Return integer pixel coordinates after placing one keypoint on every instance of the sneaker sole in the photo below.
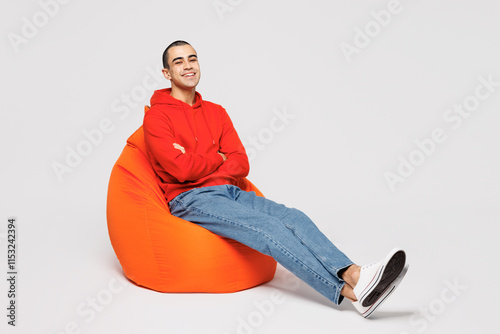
(385, 277)
(386, 294)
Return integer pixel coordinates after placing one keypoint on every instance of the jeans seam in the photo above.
(286, 251)
(341, 281)
(310, 249)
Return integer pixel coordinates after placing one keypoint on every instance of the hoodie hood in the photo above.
(162, 96)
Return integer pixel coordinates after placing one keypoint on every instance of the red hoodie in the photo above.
(202, 129)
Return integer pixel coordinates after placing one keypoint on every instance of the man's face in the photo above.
(184, 72)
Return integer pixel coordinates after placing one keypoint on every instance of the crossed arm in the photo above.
(183, 150)
(180, 165)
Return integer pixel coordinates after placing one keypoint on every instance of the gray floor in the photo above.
(77, 282)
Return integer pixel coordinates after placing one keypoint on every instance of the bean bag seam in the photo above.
(155, 252)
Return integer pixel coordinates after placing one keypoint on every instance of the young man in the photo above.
(199, 157)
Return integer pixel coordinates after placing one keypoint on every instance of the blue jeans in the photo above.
(286, 234)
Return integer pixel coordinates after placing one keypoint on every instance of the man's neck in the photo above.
(186, 96)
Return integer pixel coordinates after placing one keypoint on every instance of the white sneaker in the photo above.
(375, 278)
(367, 311)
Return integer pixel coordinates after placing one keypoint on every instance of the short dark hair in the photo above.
(165, 53)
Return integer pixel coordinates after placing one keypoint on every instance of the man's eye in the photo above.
(177, 62)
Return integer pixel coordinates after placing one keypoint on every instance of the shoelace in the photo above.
(370, 265)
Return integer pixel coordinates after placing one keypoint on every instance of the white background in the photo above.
(355, 116)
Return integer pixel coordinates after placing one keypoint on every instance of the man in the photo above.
(198, 157)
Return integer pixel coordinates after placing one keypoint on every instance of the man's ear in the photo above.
(166, 74)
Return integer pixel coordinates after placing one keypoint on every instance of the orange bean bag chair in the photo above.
(165, 253)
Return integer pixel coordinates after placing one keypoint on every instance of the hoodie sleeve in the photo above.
(236, 164)
(159, 139)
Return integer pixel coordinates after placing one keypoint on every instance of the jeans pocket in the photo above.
(172, 205)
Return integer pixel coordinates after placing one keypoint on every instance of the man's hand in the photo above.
(183, 150)
(223, 156)
(179, 147)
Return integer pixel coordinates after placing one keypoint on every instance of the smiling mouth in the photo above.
(189, 75)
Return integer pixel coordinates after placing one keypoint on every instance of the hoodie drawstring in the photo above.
(193, 131)
(193, 127)
(206, 123)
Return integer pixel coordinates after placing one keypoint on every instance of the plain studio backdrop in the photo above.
(379, 119)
